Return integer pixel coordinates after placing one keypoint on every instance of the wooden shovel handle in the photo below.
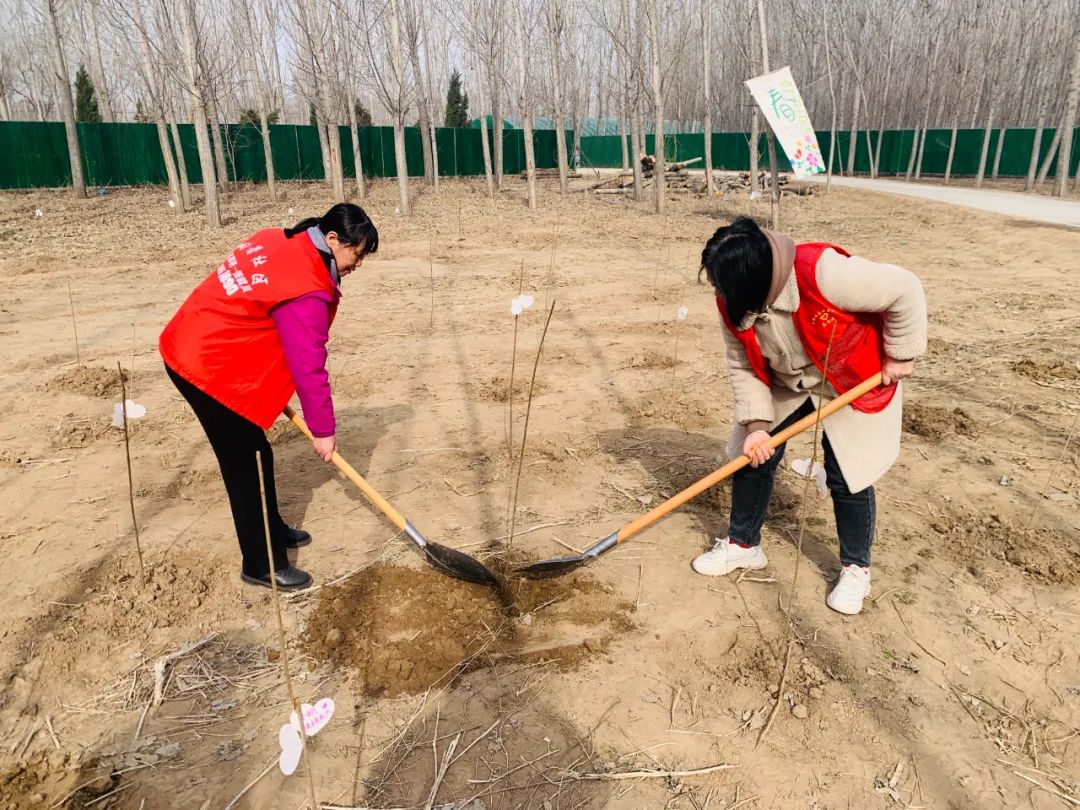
(350, 473)
(691, 492)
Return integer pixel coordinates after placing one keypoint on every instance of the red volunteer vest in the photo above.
(223, 339)
(857, 344)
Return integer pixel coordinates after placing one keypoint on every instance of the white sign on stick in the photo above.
(778, 97)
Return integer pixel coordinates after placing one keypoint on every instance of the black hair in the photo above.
(737, 261)
(351, 224)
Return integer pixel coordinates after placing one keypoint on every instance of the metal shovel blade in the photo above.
(560, 565)
(551, 568)
(451, 561)
(457, 564)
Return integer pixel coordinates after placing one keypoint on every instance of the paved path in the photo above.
(1009, 203)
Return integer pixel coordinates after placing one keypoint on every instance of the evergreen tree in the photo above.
(457, 103)
(363, 115)
(251, 116)
(86, 106)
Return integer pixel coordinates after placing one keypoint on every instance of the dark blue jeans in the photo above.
(855, 512)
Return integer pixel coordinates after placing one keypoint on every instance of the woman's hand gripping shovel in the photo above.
(561, 565)
(447, 560)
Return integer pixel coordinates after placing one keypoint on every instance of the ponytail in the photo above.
(350, 222)
(301, 227)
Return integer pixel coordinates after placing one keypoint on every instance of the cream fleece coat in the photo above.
(866, 444)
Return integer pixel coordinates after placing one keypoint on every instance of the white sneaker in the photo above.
(727, 556)
(850, 590)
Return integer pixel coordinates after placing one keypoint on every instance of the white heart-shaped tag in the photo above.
(521, 303)
(134, 411)
(315, 717)
(291, 748)
(803, 468)
(683, 312)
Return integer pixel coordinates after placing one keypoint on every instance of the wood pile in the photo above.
(679, 181)
(741, 182)
(542, 173)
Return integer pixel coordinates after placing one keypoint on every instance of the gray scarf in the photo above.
(319, 241)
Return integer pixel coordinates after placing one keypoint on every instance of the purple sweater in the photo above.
(304, 327)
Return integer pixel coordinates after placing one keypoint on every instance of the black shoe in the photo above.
(296, 538)
(288, 578)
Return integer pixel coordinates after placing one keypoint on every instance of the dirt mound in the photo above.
(497, 389)
(75, 432)
(113, 607)
(652, 359)
(1048, 370)
(674, 407)
(979, 541)
(404, 630)
(90, 381)
(936, 348)
(50, 780)
(78, 433)
(186, 482)
(935, 423)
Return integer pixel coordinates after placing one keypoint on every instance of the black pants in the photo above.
(235, 441)
(855, 512)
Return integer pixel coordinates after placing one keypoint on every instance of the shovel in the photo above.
(446, 560)
(561, 565)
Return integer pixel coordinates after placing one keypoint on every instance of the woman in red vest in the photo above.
(787, 309)
(253, 332)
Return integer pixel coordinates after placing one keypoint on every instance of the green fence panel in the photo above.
(446, 152)
(129, 153)
(414, 151)
(546, 148)
(513, 151)
(32, 153)
(244, 153)
(601, 151)
(348, 164)
(285, 151)
(731, 151)
(469, 152)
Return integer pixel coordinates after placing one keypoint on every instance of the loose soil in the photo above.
(497, 389)
(404, 630)
(1048, 371)
(89, 381)
(934, 423)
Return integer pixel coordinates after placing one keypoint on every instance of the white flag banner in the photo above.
(779, 99)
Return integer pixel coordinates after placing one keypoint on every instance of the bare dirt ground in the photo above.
(958, 687)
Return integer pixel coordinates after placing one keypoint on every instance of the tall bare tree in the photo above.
(252, 46)
(1068, 124)
(155, 91)
(655, 46)
(525, 100)
(196, 91)
(706, 69)
(411, 11)
(774, 185)
(556, 25)
(62, 86)
(313, 24)
(832, 97)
